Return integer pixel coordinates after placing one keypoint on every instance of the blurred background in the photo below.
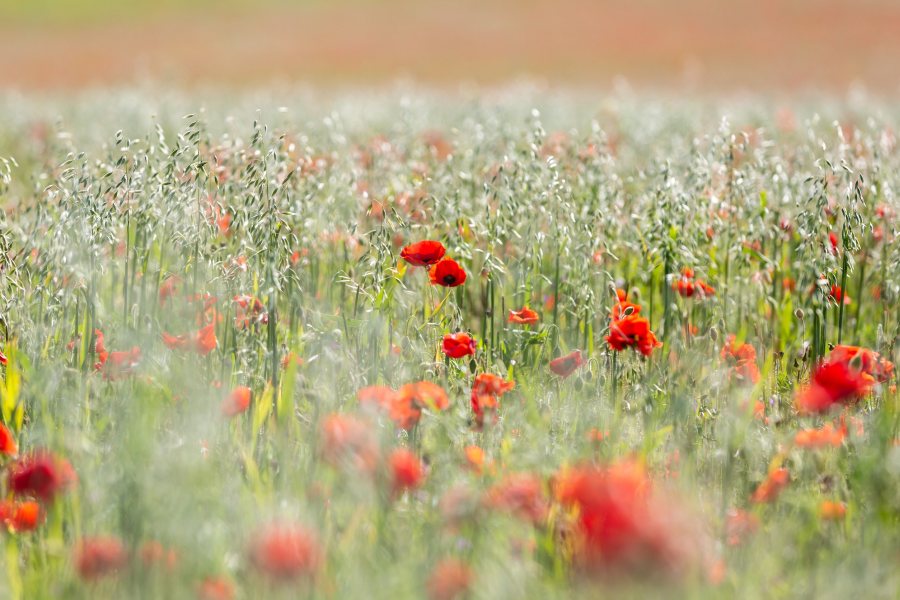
(753, 45)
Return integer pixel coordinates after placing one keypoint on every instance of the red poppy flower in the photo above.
(99, 350)
(623, 522)
(837, 294)
(376, 395)
(742, 360)
(285, 552)
(205, 340)
(457, 345)
(237, 401)
(99, 556)
(21, 516)
(249, 311)
(425, 394)
(348, 441)
(863, 359)
(832, 383)
(525, 316)
(423, 254)
(3, 359)
(566, 365)
(121, 363)
(406, 470)
(823, 437)
(8, 444)
(772, 486)
(486, 392)
(40, 475)
(632, 331)
(450, 579)
(447, 273)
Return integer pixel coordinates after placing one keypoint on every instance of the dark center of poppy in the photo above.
(448, 279)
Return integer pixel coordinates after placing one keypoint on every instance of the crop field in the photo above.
(414, 344)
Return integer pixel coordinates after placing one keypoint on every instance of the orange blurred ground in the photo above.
(738, 44)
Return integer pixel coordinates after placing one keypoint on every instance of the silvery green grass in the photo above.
(214, 349)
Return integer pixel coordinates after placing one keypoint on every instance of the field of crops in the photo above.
(413, 344)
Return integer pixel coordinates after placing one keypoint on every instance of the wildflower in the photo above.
(98, 557)
(869, 362)
(348, 440)
(622, 307)
(837, 294)
(203, 341)
(121, 363)
(424, 394)
(3, 359)
(831, 510)
(40, 475)
(215, 588)
(772, 486)
(21, 516)
(742, 360)
(99, 350)
(450, 579)
(827, 435)
(423, 254)
(447, 273)
(8, 444)
(525, 316)
(249, 311)
(486, 392)
(406, 470)
(622, 522)
(236, 402)
(458, 345)
(832, 383)
(522, 494)
(739, 525)
(566, 365)
(632, 331)
(285, 552)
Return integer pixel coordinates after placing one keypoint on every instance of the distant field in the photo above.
(699, 43)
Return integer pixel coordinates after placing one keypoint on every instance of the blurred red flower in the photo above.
(215, 588)
(349, 441)
(742, 360)
(423, 254)
(406, 470)
(8, 444)
(486, 392)
(249, 311)
(458, 345)
(772, 486)
(285, 552)
(450, 579)
(99, 556)
(566, 365)
(237, 401)
(40, 475)
(447, 273)
(21, 516)
(525, 316)
(832, 383)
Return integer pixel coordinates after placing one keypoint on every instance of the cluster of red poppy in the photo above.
(428, 253)
(847, 376)
(627, 329)
(34, 481)
(486, 392)
(741, 358)
(404, 406)
(687, 286)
